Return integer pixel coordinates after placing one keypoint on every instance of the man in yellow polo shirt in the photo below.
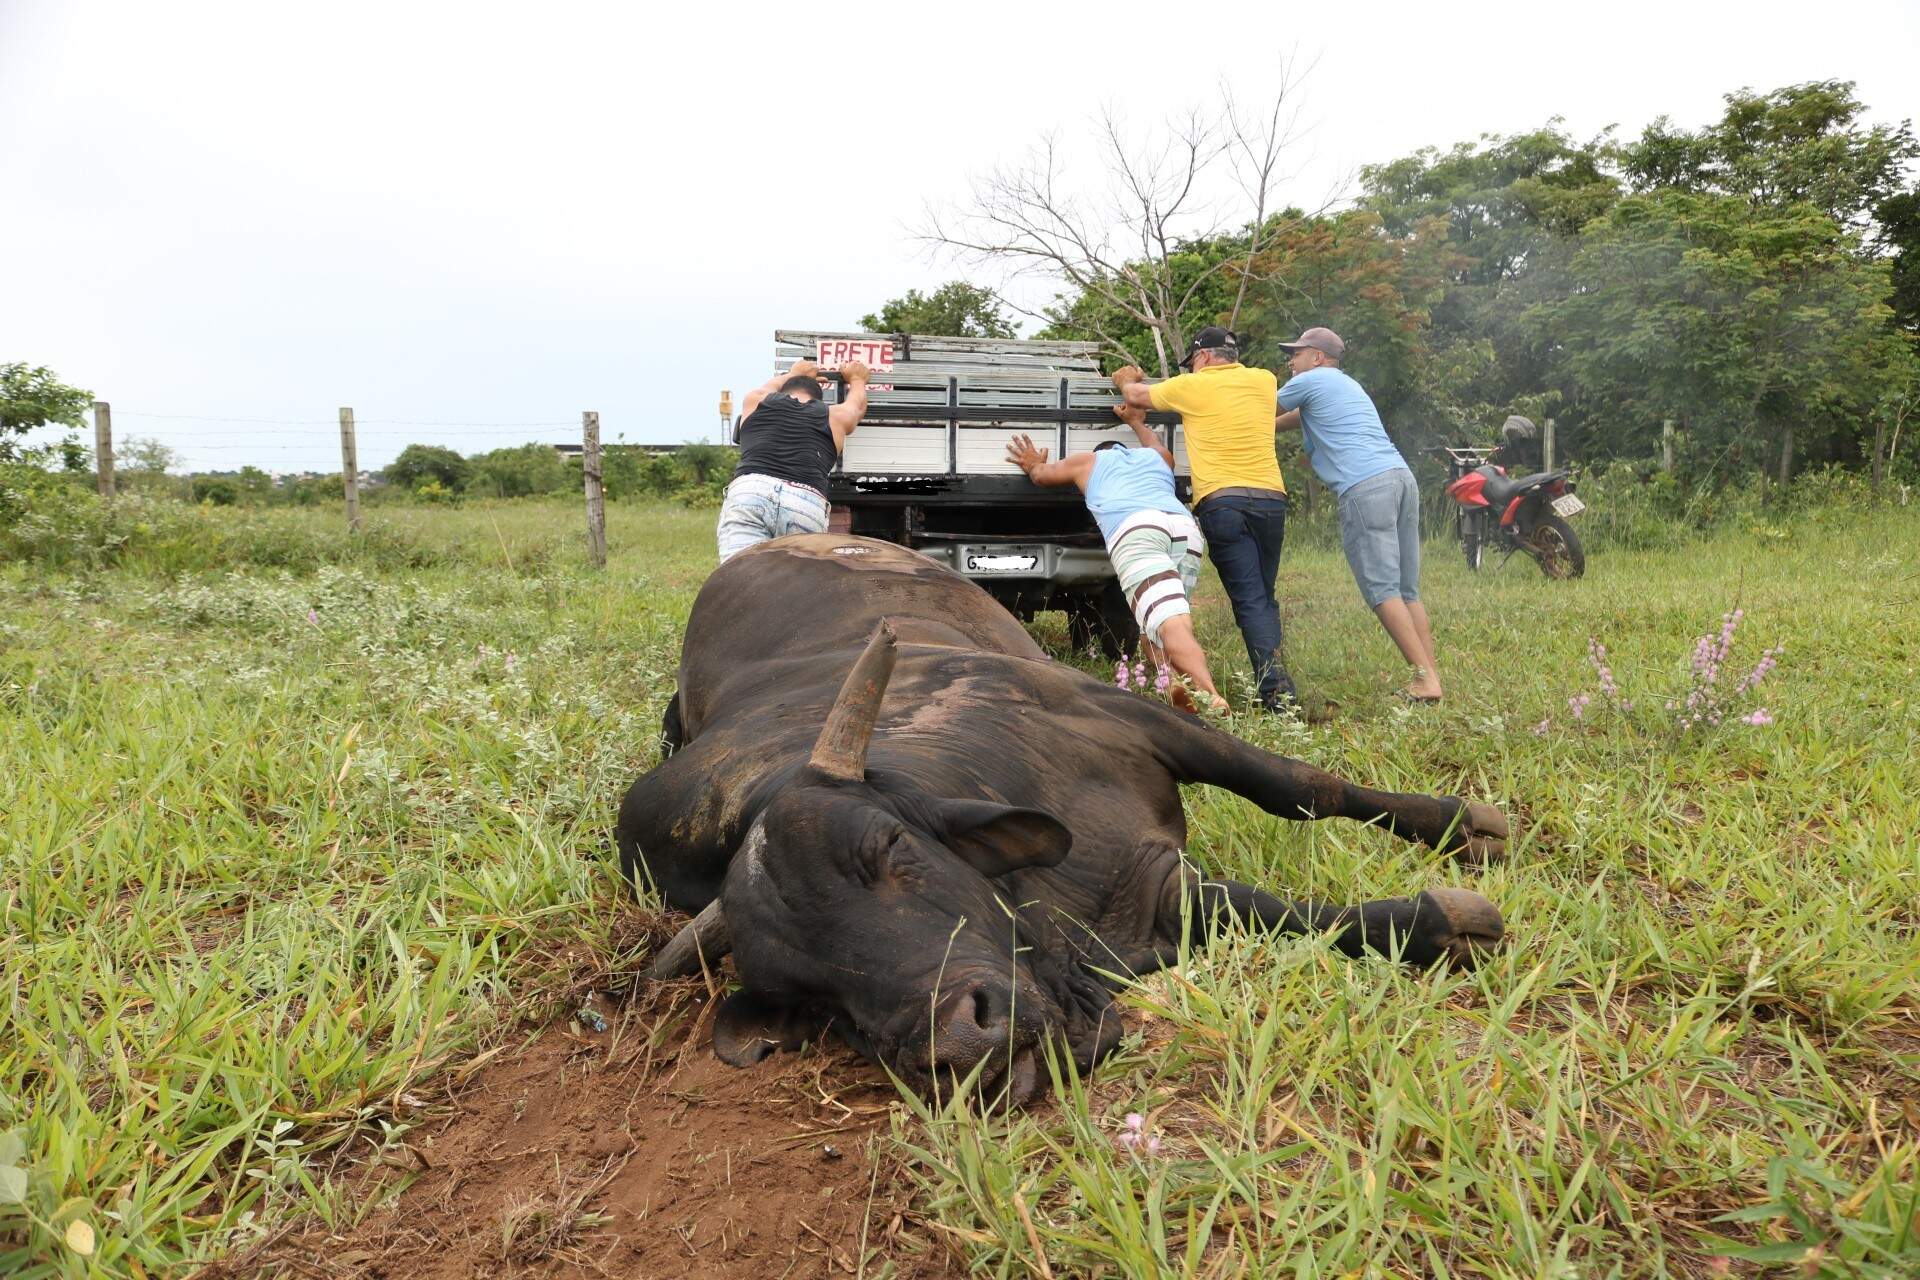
(1226, 413)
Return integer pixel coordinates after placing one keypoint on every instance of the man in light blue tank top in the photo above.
(1155, 546)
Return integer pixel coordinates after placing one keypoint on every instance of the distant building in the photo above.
(654, 450)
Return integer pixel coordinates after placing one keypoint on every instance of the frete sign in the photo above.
(875, 353)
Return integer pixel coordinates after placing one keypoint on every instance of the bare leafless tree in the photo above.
(1258, 144)
(1115, 242)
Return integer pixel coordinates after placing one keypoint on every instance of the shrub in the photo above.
(216, 491)
(47, 520)
(518, 472)
(422, 464)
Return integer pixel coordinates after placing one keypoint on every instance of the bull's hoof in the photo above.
(1472, 925)
(1483, 835)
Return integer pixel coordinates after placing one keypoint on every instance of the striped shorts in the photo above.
(1157, 555)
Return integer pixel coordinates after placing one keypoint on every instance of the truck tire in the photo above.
(1102, 619)
(1119, 634)
(1083, 623)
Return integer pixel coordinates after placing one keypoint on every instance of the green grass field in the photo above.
(277, 848)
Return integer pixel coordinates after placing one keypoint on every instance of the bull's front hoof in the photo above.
(1483, 835)
(1468, 926)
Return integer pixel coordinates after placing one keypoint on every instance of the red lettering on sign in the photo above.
(875, 353)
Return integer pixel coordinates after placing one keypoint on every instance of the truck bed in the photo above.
(950, 405)
(927, 468)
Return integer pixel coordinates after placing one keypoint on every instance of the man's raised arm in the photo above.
(846, 415)
(1131, 383)
(1136, 417)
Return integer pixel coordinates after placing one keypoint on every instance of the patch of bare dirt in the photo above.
(633, 1151)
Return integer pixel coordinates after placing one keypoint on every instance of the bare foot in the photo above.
(1425, 687)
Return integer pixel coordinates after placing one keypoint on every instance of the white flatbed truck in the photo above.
(927, 468)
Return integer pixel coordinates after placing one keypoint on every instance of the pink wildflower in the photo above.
(510, 660)
(1540, 730)
(1578, 704)
(1597, 654)
(1133, 1136)
(1120, 674)
(313, 618)
(1162, 681)
(1768, 661)
(1760, 718)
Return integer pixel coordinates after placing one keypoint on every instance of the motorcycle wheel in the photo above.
(1556, 548)
(1472, 539)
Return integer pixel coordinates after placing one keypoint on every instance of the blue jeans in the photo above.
(1244, 535)
(760, 508)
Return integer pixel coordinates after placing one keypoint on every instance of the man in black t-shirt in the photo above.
(789, 439)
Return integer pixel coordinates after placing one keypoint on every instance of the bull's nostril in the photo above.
(982, 1008)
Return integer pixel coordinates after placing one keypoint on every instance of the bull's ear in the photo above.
(996, 839)
(747, 1029)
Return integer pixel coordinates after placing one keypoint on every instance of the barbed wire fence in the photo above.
(274, 439)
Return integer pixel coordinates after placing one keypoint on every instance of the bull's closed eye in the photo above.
(877, 851)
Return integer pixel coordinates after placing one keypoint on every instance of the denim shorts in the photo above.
(760, 508)
(1380, 530)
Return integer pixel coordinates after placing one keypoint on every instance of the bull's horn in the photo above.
(842, 749)
(701, 944)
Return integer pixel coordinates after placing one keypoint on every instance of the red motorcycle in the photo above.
(1526, 513)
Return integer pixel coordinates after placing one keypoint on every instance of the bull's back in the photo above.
(819, 596)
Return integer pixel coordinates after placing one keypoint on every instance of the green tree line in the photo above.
(1755, 283)
(695, 474)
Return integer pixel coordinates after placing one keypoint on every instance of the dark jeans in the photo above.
(1244, 536)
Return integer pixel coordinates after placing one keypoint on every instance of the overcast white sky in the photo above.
(477, 213)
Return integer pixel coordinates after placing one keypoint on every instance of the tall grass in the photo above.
(286, 839)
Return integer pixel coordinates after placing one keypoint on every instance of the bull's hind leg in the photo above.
(1291, 789)
(1438, 924)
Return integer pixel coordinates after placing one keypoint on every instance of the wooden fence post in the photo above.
(350, 469)
(1546, 445)
(1666, 445)
(103, 445)
(596, 501)
(726, 416)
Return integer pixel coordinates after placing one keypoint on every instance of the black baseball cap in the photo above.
(1208, 339)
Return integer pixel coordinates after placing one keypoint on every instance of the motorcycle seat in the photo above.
(1501, 490)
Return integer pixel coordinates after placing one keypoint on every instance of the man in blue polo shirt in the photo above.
(1347, 445)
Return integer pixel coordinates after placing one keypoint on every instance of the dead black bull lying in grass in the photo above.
(902, 818)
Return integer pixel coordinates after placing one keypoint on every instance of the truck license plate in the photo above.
(1568, 505)
(1002, 562)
